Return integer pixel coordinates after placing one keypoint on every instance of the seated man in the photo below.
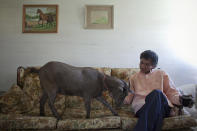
(154, 94)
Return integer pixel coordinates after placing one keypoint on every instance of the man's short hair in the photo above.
(149, 54)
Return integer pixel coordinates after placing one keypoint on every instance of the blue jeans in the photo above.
(152, 112)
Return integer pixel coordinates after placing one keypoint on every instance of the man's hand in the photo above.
(187, 100)
(127, 100)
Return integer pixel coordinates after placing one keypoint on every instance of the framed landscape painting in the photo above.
(40, 18)
(99, 17)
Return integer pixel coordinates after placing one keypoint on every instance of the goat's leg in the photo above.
(87, 107)
(42, 103)
(104, 102)
(52, 96)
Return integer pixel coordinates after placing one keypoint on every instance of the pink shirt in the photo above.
(142, 84)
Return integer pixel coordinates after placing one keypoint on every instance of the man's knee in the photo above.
(154, 94)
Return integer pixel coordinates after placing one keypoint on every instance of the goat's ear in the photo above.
(125, 84)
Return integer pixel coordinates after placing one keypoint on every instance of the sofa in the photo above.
(19, 108)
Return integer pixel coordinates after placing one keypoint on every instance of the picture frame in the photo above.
(99, 17)
(40, 19)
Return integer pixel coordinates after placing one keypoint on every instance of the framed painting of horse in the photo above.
(40, 18)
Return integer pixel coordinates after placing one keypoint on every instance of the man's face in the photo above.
(146, 65)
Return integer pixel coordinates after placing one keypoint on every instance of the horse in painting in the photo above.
(45, 18)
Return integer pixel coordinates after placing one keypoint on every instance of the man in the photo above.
(155, 94)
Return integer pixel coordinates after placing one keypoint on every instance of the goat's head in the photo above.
(119, 90)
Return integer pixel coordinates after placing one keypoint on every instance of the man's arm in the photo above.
(170, 90)
(174, 95)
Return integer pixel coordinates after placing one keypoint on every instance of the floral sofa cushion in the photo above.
(19, 121)
(169, 123)
(123, 73)
(14, 101)
(19, 108)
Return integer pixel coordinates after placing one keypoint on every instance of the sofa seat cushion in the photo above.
(13, 121)
(70, 113)
(177, 122)
(92, 123)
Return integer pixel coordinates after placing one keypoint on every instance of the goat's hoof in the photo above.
(42, 114)
(59, 118)
(116, 114)
(87, 117)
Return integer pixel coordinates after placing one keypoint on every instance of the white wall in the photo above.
(168, 27)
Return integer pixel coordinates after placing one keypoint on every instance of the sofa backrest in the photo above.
(123, 73)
